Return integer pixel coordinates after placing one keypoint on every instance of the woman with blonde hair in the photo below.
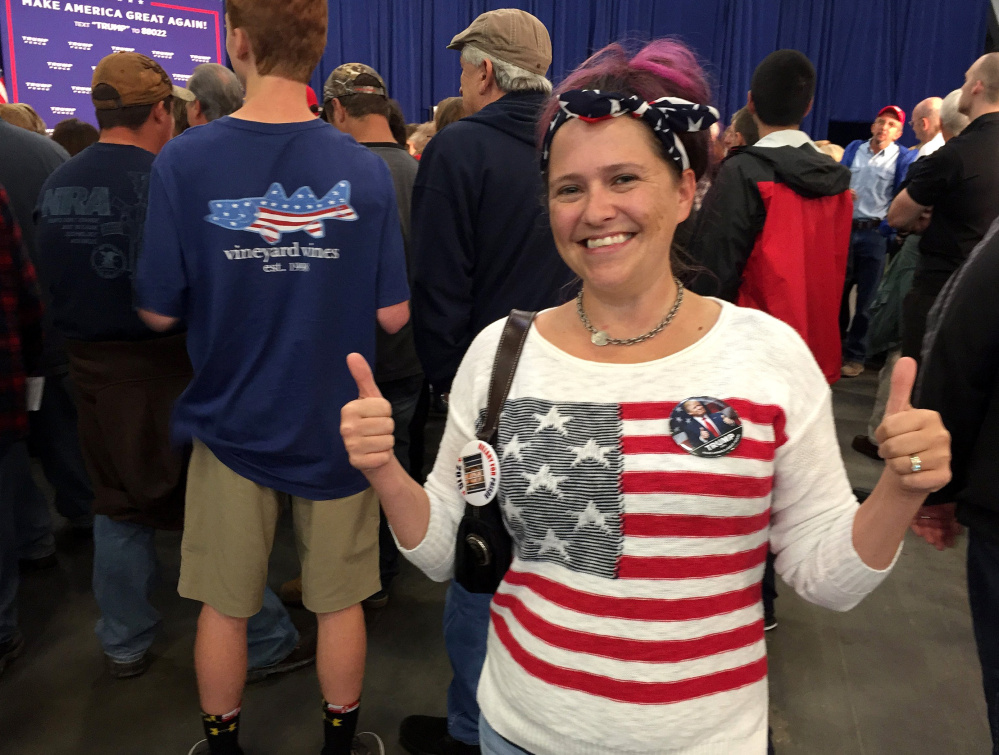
(22, 115)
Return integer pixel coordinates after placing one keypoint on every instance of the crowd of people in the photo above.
(247, 297)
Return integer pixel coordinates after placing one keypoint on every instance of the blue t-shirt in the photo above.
(91, 213)
(276, 243)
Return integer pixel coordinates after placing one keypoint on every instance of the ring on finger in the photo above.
(916, 463)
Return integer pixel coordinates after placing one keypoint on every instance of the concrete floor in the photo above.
(899, 674)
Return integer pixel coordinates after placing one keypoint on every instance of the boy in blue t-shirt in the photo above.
(276, 239)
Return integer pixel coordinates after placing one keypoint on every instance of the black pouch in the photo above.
(484, 548)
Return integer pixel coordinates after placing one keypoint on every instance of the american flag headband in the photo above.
(667, 116)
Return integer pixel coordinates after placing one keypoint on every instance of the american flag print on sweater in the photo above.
(595, 488)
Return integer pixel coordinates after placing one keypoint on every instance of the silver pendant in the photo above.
(599, 338)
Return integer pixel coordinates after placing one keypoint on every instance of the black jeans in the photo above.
(983, 594)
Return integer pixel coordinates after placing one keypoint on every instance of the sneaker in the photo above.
(378, 600)
(851, 369)
(427, 735)
(303, 654)
(291, 592)
(201, 748)
(367, 743)
(27, 565)
(10, 649)
(127, 669)
(862, 444)
(769, 622)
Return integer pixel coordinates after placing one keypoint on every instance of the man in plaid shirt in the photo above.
(20, 351)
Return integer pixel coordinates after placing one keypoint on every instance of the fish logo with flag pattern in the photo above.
(276, 213)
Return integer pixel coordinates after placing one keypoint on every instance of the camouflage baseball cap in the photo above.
(341, 82)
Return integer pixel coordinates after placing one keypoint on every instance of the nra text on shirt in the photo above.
(268, 254)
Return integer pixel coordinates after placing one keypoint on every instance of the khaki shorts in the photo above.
(229, 530)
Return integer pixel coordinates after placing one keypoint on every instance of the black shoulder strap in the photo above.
(511, 343)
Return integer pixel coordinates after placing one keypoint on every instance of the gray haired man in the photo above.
(217, 92)
(952, 120)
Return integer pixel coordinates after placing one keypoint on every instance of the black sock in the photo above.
(339, 726)
(222, 733)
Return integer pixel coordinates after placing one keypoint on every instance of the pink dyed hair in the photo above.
(663, 68)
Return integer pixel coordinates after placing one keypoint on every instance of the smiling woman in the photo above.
(653, 447)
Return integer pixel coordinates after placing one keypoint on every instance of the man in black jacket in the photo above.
(481, 246)
(959, 377)
(481, 241)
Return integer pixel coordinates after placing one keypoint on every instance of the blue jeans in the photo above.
(466, 630)
(403, 394)
(56, 443)
(492, 743)
(8, 559)
(125, 573)
(983, 594)
(864, 267)
(32, 518)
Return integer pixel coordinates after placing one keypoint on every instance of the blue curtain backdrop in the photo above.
(868, 53)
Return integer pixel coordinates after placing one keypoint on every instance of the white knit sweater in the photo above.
(630, 620)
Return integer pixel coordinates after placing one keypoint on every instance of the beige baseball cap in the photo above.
(127, 79)
(511, 35)
(342, 82)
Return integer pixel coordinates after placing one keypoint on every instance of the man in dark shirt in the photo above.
(92, 214)
(959, 183)
(356, 101)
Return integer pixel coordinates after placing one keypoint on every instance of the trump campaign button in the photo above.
(705, 426)
(478, 473)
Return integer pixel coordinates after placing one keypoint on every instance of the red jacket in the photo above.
(774, 235)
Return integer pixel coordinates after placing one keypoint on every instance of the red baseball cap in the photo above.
(894, 111)
(313, 100)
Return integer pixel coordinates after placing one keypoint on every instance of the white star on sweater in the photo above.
(591, 515)
(554, 420)
(592, 451)
(552, 544)
(514, 448)
(543, 479)
(513, 513)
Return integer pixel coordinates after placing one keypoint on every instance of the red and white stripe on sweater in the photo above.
(630, 620)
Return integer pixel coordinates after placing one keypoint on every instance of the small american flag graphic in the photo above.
(276, 213)
(658, 536)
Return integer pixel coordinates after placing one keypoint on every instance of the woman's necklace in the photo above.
(600, 337)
